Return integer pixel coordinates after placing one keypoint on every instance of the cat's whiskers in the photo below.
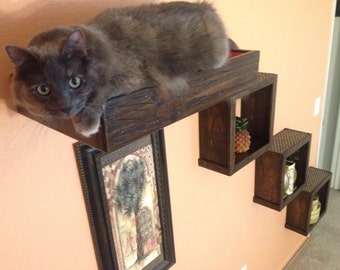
(40, 131)
(95, 108)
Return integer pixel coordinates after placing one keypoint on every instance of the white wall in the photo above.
(329, 158)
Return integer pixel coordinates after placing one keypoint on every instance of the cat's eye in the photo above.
(43, 90)
(74, 82)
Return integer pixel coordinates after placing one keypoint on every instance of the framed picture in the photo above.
(127, 198)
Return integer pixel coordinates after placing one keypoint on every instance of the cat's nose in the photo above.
(66, 110)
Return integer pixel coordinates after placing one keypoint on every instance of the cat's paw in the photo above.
(88, 131)
(86, 122)
(174, 87)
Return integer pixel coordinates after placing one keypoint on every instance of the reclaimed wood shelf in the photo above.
(299, 210)
(217, 125)
(127, 118)
(290, 145)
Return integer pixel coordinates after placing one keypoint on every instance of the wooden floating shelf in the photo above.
(217, 125)
(127, 118)
(269, 170)
(299, 210)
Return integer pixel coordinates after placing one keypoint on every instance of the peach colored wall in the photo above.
(43, 222)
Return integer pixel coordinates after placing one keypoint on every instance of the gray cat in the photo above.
(72, 71)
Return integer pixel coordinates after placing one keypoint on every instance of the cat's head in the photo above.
(52, 75)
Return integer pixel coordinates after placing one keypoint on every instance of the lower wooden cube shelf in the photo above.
(299, 211)
(292, 145)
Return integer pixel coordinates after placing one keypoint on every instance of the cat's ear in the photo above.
(75, 45)
(19, 55)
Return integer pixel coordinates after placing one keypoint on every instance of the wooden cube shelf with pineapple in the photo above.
(217, 126)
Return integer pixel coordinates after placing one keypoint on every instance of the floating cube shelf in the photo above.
(217, 125)
(299, 210)
(290, 145)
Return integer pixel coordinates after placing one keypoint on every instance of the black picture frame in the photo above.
(128, 204)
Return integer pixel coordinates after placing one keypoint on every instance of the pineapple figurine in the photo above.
(242, 136)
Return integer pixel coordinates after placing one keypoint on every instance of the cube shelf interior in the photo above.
(217, 125)
(299, 210)
(290, 145)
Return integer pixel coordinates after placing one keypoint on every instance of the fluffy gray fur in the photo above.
(72, 71)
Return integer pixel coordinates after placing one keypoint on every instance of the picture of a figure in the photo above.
(133, 207)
